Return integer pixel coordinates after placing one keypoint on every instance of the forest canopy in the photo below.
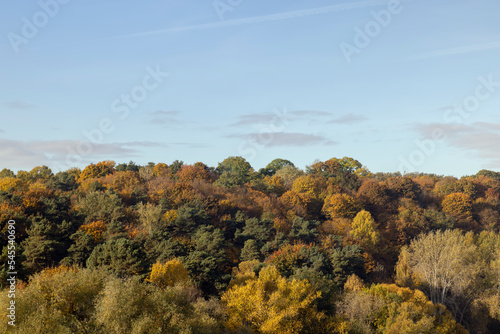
(178, 248)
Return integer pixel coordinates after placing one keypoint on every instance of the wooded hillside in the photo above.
(196, 249)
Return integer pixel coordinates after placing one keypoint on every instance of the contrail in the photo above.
(263, 18)
(456, 51)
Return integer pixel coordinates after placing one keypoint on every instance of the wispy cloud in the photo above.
(264, 18)
(18, 105)
(261, 118)
(457, 50)
(28, 154)
(348, 119)
(192, 145)
(267, 118)
(481, 139)
(161, 117)
(140, 144)
(280, 139)
(310, 113)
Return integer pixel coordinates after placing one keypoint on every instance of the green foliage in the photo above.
(346, 261)
(6, 173)
(250, 251)
(130, 166)
(304, 230)
(46, 244)
(208, 263)
(121, 256)
(275, 166)
(100, 205)
(258, 230)
(189, 217)
(233, 171)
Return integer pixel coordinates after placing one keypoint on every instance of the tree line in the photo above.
(178, 248)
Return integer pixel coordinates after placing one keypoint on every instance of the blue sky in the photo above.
(398, 85)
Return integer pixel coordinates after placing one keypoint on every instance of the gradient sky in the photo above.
(417, 90)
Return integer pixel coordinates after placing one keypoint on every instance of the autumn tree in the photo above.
(272, 304)
(458, 205)
(444, 265)
(169, 273)
(130, 306)
(102, 168)
(364, 230)
(198, 171)
(390, 309)
(340, 205)
(374, 196)
(288, 174)
(57, 300)
(150, 217)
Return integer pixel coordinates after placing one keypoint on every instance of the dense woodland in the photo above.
(122, 248)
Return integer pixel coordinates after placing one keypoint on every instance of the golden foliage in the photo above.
(340, 206)
(102, 168)
(12, 184)
(458, 205)
(169, 273)
(271, 304)
(96, 229)
(170, 216)
(364, 230)
(189, 173)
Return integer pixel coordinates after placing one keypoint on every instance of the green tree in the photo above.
(6, 173)
(250, 251)
(275, 166)
(122, 257)
(99, 205)
(208, 263)
(46, 244)
(233, 171)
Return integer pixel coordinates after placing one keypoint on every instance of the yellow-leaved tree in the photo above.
(340, 206)
(168, 274)
(272, 304)
(390, 309)
(364, 230)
